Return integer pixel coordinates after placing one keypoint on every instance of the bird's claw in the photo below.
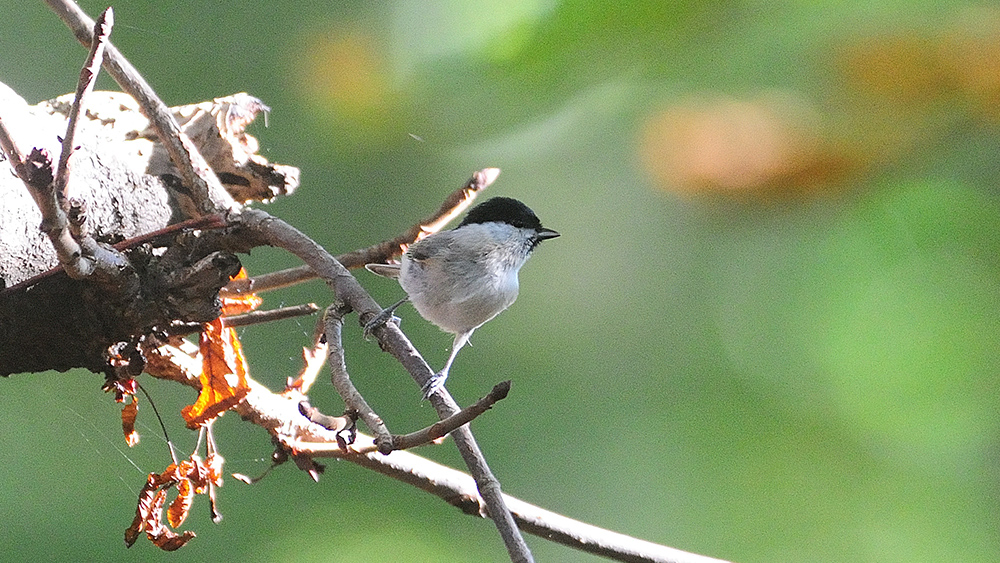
(377, 321)
(384, 316)
(433, 385)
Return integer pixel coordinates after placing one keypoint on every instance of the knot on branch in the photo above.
(39, 169)
(193, 291)
(76, 213)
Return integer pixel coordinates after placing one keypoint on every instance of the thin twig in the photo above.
(455, 421)
(342, 381)
(271, 315)
(423, 436)
(216, 221)
(207, 193)
(453, 206)
(247, 319)
(270, 281)
(88, 77)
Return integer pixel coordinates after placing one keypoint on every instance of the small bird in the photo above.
(462, 278)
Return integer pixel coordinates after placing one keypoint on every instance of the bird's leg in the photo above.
(383, 317)
(437, 380)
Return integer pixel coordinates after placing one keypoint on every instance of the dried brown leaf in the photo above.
(146, 497)
(129, 413)
(154, 526)
(178, 510)
(171, 541)
(223, 377)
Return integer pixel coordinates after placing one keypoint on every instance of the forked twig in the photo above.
(426, 435)
(78, 253)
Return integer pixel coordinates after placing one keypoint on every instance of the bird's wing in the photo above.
(384, 270)
(431, 247)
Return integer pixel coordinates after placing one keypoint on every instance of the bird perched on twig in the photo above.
(462, 278)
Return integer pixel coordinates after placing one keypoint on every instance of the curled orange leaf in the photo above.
(178, 510)
(223, 375)
(129, 413)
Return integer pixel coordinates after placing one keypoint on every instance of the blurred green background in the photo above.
(768, 332)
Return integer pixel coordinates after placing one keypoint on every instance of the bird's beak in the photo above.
(544, 233)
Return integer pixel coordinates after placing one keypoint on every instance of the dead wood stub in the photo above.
(128, 187)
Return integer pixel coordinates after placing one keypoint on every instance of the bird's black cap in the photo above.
(503, 210)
